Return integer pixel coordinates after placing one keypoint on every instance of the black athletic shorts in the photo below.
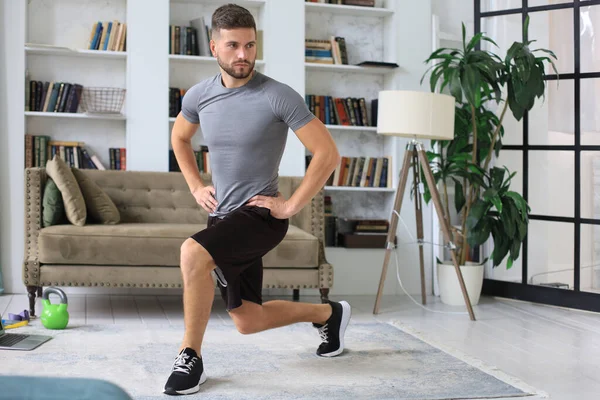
(237, 243)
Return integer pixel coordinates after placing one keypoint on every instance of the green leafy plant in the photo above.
(478, 80)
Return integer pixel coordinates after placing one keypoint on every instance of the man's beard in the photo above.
(230, 69)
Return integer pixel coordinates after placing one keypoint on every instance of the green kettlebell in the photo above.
(54, 316)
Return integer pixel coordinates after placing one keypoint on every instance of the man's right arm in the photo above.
(181, 140)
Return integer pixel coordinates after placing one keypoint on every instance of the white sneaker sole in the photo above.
(346, 314)
(192, 389)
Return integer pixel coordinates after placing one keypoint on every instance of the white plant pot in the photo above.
(450, 292)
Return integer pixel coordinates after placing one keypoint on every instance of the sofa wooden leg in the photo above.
(296, 295)
(39, 291)
(32, 290)
(324, 295)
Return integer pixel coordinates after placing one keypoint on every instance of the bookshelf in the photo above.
(368, 35)
(58, 52)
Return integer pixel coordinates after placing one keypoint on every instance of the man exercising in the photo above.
(245, 117)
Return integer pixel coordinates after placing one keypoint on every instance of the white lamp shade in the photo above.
(423, 115)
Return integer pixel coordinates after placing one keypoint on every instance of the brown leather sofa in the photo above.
(157, 214)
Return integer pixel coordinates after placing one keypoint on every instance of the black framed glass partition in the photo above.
(555, 150)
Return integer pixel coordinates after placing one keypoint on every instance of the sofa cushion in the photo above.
(62, 175)
(100, 207)
(151, 244)
(53, 208)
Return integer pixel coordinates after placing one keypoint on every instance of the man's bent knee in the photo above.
(246, 326)
(247, 318)
(195, 256)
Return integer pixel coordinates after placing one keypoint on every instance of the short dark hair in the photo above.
(231, 16)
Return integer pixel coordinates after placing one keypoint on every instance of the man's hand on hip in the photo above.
(279, 206)
(204, 196)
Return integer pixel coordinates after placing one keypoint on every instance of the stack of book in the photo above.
(326, 51)
(108, 36)
(175, 100)
(362, 172)
(118, 158)
(191, 40)
(348, 111)
(52, 96)
(39, 149)
(202, 160)
(363, 233)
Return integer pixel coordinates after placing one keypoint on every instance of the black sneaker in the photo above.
(187, 374)
(332, 333)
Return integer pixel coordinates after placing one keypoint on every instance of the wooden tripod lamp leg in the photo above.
(419, 215)
(435, 196)
(393, 224)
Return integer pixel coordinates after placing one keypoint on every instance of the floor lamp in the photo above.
(418, 116)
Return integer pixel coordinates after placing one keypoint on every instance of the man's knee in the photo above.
(246, 321)
(246, 326)
(194, 257)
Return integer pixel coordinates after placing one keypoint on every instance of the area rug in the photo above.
(381, 361)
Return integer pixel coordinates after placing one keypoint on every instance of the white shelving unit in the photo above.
(379, 24)
(56, 46)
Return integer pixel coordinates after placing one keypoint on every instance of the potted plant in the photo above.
(480, 81)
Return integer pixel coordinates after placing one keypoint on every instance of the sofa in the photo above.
(157, 213)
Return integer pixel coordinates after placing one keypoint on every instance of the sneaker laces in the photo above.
(323, 333)
(184, 363)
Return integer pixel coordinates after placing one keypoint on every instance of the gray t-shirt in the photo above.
(245, 130)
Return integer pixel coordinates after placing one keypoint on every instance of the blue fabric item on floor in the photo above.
(50, 388)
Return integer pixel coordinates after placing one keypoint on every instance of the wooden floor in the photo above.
(555, 350)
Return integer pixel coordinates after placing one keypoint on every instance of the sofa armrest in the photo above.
(35, 179)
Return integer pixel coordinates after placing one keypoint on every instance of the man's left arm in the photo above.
(291, 108)
(317, 139)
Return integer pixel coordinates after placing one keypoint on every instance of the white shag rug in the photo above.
(381, 361)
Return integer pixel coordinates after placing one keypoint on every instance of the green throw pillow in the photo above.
(53, 208)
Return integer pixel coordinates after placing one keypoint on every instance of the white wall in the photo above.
(452, 14)
(3, 130)
(11, 137)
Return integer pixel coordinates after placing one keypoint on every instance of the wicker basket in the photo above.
(102, 100)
